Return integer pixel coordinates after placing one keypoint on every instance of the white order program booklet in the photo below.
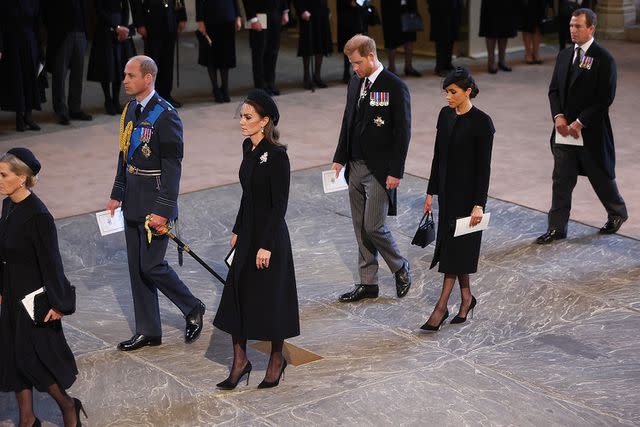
(109, 224)
(463, 227)
(569, 140)
(28, 301)
(331, 184)
(262, 19)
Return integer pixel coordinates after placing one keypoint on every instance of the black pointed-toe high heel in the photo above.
(270, 384)
(79, 407)
(428, 327)
(230, 385)
(460, 319)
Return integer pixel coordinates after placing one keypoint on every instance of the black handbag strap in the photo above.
(426, 217)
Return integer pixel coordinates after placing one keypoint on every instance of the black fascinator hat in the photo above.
(27, 157)
(462, 78)
(265, 103)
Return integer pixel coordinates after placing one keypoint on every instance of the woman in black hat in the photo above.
(32, 355)
(260, 301)
(460, 178)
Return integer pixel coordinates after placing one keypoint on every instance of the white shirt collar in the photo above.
(372, 78)
(146, 100)
(585, 47)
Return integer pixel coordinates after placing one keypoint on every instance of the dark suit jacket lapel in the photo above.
(579, 71)
(564, 65)
(377, 86)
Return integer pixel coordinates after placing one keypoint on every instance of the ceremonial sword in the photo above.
(165, 230)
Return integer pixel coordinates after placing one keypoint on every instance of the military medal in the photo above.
(378, 121)
(379, 99)
(145, 138)
(586, 63)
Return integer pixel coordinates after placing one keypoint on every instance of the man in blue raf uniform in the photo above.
(147, 182)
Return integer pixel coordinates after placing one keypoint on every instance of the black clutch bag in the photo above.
(41, 307)
(426, 232)
(411, 22)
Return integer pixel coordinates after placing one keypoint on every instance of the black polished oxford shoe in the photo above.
(612, 225)
(138, 341)
(194, 323)
(360, 292)
(403, 280)
(550, 236)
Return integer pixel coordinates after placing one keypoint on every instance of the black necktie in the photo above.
(576, 60)
(138, 111)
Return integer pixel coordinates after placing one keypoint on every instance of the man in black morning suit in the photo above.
(158, 22)
(265, 43)
(582, 88)
(373, 144)
(146, 184)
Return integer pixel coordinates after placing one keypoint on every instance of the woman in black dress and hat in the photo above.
(460, 178)
(32, 356)
(315, 39)
(218, 22)
(111, 49)
(260, 301)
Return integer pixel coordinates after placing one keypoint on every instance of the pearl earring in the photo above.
(262, 130)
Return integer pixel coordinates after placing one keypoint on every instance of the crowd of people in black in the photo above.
(26, 59)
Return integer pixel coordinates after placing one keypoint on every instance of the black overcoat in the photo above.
(315, 34)
(587, 96)
(108, 55)
(20, 23)
(391, 11)
(498, 19)
(352, 20)
(32, 356)
(219, 17)
(460, 173)
(261, 304)
(445, 19)
(58, 17)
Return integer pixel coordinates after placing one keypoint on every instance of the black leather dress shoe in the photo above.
(63, 120)
(550, 236)
(403, 280)
(360, 292)
(81, 115)
(194, 323)
(613, 225)
(138, 341)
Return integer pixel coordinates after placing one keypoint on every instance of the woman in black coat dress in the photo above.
(20, 54)
(460, 178)
(111, 49)
(260, 301)
(32, 356)
(315, 38)
(394, 37)
(352, 20)
(532, 13)
(218, 22)
(498, 23)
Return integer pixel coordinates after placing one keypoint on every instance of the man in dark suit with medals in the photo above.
(265, 42)
(582, 88)
(373, 144)
(158, 22)
(146, 185)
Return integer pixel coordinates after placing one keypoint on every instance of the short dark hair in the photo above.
(361, 43)
(461, 77)
(589, 15)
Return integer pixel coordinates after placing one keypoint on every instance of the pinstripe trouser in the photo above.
(369, 205)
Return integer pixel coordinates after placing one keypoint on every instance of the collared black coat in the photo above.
(32, 356)
(498, 19)
(386, 145)
(219, 17)
(587, 96)
(108, 55)
(445, 18)
(158, 16)
(261, 304)
(460, 173)
(315, 34)
(143, 195)
(58, 19)
(352, 20)
(20, 24)
(391, 11)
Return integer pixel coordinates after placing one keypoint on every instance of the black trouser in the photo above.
(264, 52)
(69, 57)
(161, 48)
(567, 161)
(444, 51)
(149, 272)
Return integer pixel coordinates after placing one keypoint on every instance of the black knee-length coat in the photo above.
(32, 356)
(315, 34)
(499, 19)
(460, 178)
(261, 304)
(108, 55)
